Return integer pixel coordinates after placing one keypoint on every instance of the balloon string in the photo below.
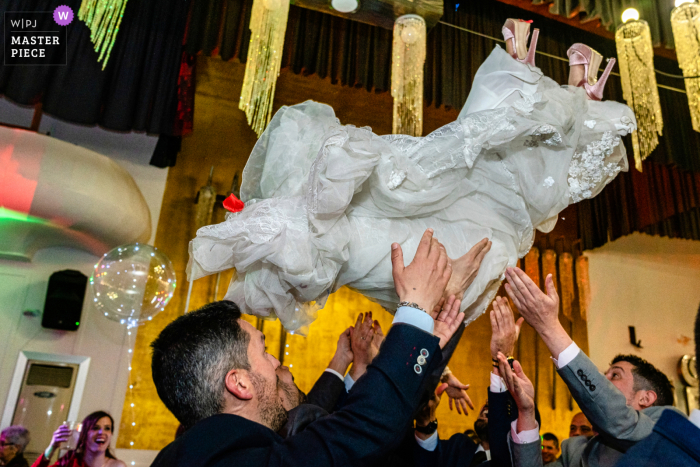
(189, 294)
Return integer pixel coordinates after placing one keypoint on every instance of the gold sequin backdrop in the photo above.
(223, 138)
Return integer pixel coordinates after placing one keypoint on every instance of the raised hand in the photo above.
(504, 329)
(447, 320)
(343, 353)
(61, 435)
(361, 340)
(540, 310)
(465, 269)
(428, 413)
(424, 280)
(522, 390)
(457, 393)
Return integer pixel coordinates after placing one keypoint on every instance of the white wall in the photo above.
(23, 285)
(652, 283)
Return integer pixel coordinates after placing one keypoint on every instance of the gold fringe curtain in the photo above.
(407, 60)
(103, 17)
(532, 265)
(549, 266)
(566, 281)
(584, 286)
(268, 24)
(685, 21)
(636, 58)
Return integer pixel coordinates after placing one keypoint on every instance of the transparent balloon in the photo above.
(132, 283)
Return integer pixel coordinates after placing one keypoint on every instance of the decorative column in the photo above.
(268, 24)
(685, 19)
(407, 60)
(636, 58)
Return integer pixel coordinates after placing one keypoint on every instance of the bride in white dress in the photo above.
(325, 201)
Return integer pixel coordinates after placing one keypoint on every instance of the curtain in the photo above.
(137, 91)
(655, 12)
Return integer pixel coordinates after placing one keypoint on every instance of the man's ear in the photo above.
(646, 398)
(238, 383)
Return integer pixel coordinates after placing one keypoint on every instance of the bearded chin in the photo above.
(272, 413)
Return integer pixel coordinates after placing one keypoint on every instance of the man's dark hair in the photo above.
(192, 356)
(551, 437)
(649, 378)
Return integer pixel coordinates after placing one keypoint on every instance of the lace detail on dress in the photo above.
(590, 123)
(588, 168)
(479, 127)
(548, 182)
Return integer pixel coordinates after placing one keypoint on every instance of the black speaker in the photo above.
(64, 300)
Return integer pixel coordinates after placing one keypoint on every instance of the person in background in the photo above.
(13, 440)
(481, 427)
(580, 426)
(550, 448)
(92, 449)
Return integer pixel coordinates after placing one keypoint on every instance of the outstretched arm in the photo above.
(602, 403)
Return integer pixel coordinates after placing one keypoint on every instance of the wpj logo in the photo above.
(36, 38)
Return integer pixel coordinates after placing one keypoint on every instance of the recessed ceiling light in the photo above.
(345, 6)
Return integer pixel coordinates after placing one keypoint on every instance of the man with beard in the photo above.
(212, 371)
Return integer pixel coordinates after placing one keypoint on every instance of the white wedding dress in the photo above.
(324, 201)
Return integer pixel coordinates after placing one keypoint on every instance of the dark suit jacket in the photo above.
(459, 450)
(674, 441)
(326, 392)
(371, 423)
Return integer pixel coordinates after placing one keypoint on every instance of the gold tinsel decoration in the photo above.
(566, 280)
(685, 21)
(584, 286)
(549, 266)
(532, 265)
(636, 58)
(103, 17)
(407, 60)
(268, 23)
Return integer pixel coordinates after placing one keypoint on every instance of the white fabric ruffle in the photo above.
(325, 201)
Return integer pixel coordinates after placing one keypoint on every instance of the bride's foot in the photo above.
(515, 32)
(465, 269)
(584, 63)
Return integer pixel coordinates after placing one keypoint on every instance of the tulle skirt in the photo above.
(324, 201)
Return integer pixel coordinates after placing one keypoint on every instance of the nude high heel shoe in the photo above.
(581, 54)
(518, 31)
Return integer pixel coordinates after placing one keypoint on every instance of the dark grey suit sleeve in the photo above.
(604, 405)
(525, 455)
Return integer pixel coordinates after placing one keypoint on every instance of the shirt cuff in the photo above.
(348, 382)
(428, 444)
(414, 317)
(525, 437)
(566, 356)
(497, 383)
(329, 370)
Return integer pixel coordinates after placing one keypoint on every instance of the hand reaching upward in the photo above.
(424, 280)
